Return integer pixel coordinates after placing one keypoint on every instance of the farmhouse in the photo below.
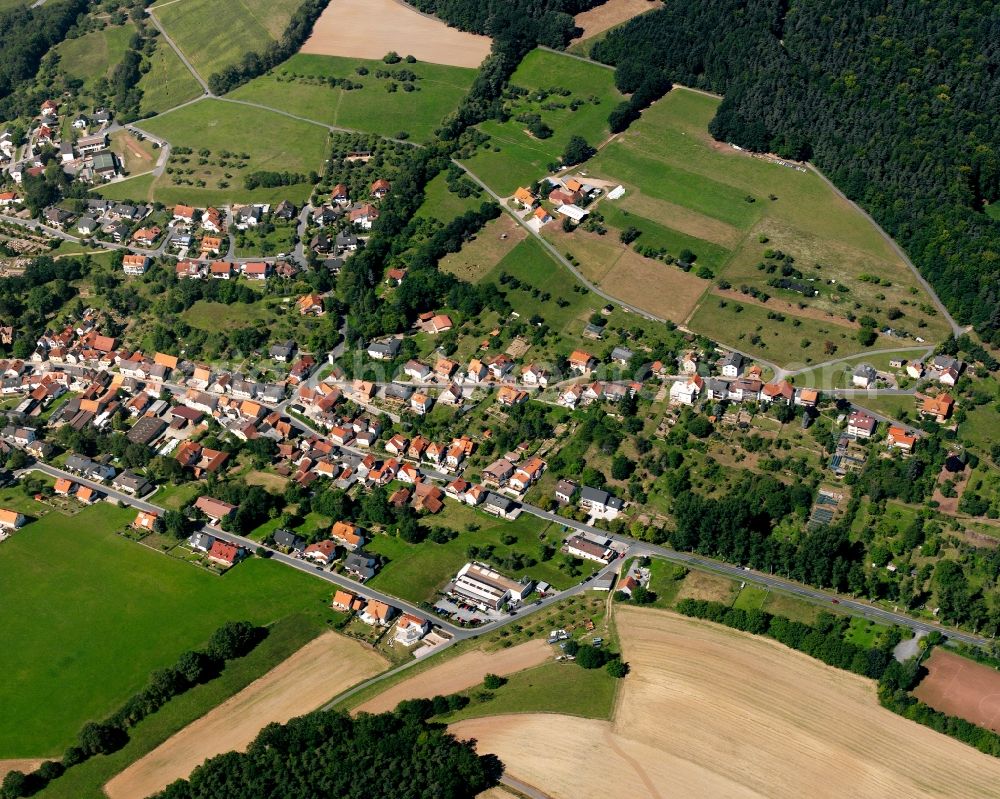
(580, 546)
(487, 588)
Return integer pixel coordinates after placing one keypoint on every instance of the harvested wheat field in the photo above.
(319, 671)
(460, 673)
(961, 687)
(372, 28)
(25, 765)
(663, 290)
(612, 13)
(712, 712)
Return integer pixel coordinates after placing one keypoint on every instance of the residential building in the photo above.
(11, 519)
(599, 502)
(410, 629)
(898, 438)
(580, 546)
(861, 425)
(939, 407)
(731, 365)
(863, 376)
(322, 552)
(488, 588)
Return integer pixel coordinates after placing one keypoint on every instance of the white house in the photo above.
(685, 392)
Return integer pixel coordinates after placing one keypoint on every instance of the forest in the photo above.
(26, 34)
(895, 102)
(331, 754)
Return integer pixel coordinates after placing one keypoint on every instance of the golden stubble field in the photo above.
(316, 673)
(371, 28)
(712, 712)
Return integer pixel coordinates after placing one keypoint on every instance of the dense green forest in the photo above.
(26, 34)
(896, 102)
(394, 755)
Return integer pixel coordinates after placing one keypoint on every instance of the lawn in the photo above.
(678, 179)
(138, 188)
(563, 688)
(514, 157)
(215, 35)
(838, 375)
(253, 241)
(94, 55)
(87, 615)
(167, 83)
(285, 637)
(216, 317)
(417, 571)
(239, 140)
(301, 86)
(751, 597)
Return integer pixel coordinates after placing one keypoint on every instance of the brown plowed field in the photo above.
(611, 13)
(961, 687)
(711, 712)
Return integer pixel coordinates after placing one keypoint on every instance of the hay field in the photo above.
(214, 34)
(371, 28)
(460, 673)
(317, 672)
(486, 250)
(735, 208)
(961, 687)
(610, 14)
(711, 712)
(651, 285)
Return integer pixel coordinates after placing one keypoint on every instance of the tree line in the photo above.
(232, 640)
(895, 102)
(395, 754)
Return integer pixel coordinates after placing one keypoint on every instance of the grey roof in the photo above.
(87, 222)
(621, 354)
(131, 480)
(202, 541)
(79, 463)
(282, 350)
(286, 538)
(732, 359)
(864, 370)
(389, 347)
(596, 495)
(499, 501)
(397, 391)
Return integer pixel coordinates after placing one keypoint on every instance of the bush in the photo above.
(590, 657)
(493, 681)
(617, 668)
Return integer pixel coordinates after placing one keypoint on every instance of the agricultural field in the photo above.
(789, 722)
(459, 674)
(743, 216)
(168, 83)
(239, 140)
(556, 85)
(600, 19)
(215, 35)
(118, 611)
(389, 100)
(320, 670)
(651, 285)
(416, 572)
(961, 687)
(373, 28)
(94, 55)
(491, 245)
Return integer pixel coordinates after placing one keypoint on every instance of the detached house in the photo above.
(135, 265)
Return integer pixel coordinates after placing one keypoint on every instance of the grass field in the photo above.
(416, 571)
(444, 205)
(272, 141)
(745, 325)
(216, 317)
(88, 615)
(514, 157)
(168, 82)
(94, 55)
(479, 256)
(562, 688)
(139, 188)
(838, 375)
(214, 35)
(685, 190)
(136, 156)
(285, 637)
(300, 86)
(787, 724)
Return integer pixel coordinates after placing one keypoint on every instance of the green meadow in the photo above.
(214, 34)
(87, 615)
(168, 82)
(94, 55)
(301, 87)
(514, 157)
